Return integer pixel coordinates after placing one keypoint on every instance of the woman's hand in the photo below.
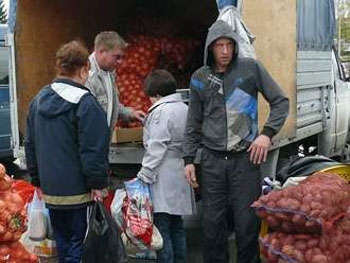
(98, 194)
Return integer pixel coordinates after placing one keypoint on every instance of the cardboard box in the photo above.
(124, 135)
(44, 248)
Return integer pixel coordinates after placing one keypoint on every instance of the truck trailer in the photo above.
(294, 40)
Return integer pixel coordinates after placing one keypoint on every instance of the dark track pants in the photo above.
(69, 229)
(229, 183)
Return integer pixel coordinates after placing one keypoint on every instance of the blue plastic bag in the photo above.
(138, 212)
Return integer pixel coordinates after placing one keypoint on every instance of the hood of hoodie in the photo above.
(220, 29)
(61, 96)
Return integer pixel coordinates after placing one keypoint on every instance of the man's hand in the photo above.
(98, 194)
(190, 173)
(138, 115)
(259, 148)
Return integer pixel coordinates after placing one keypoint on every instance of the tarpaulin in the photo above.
(316, 24)
(229, 12)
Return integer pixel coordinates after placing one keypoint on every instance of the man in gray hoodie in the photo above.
(222, 119)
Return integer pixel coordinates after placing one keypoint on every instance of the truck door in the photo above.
(342, 103)
(5, 121)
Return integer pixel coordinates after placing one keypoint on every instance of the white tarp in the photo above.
(231, 15)
(315, 24)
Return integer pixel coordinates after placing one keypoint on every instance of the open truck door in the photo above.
(18, 151)
(6, 144)
(342, 108)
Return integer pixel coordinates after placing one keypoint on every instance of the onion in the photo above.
(2, 170)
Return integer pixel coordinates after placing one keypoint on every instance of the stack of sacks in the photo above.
(310, 221)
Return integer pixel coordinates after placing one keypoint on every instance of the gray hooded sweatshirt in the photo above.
(222, 113)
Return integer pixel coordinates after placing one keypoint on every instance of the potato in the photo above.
(318, 258)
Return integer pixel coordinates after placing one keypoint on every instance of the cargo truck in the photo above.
(293, 40)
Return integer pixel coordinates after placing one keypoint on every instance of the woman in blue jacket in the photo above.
(67, 148)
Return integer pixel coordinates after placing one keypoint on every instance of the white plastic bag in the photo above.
(37, 219)
(156, 244)
(132, 245)
(116, 206)
(43, 248)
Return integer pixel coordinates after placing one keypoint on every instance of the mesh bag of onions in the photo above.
(313, 206)
(12, 210)
(13, 220)
(333, 247)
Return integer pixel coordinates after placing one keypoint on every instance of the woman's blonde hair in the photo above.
(109, 40)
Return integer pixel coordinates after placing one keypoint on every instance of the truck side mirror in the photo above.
(346, 69)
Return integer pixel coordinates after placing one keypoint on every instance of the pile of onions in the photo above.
(153, 44)
(24, 189)
(12, 222)
(132, 93)
(16, 253)
(140, 56)
(177, 53)
(12, 217)
(310, 207)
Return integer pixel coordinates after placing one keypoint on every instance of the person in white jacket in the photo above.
(163, 166)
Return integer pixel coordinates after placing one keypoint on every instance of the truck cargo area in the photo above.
(41, 28)
(298, 56)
